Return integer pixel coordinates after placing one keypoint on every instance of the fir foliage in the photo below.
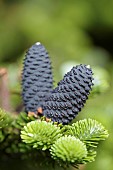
(73, 144)
(89, 131)
(5, 119)
(69, 145)
(22, 120)
(40, 134)
(69, 149)
(10, 141)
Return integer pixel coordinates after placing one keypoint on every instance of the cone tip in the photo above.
(88, 66)
(37, 43)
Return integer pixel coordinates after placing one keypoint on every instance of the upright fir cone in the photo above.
(37, 79)
(69, 96)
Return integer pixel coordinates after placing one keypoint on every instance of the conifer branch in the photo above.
(5, 119)
(40, 134)
(89, 131)
(49, 136)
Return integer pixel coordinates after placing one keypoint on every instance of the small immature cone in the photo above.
(37, 79)
(67, 99)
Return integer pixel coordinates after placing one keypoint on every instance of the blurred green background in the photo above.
(73, 32)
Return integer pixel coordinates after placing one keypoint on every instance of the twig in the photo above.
(4, 90)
